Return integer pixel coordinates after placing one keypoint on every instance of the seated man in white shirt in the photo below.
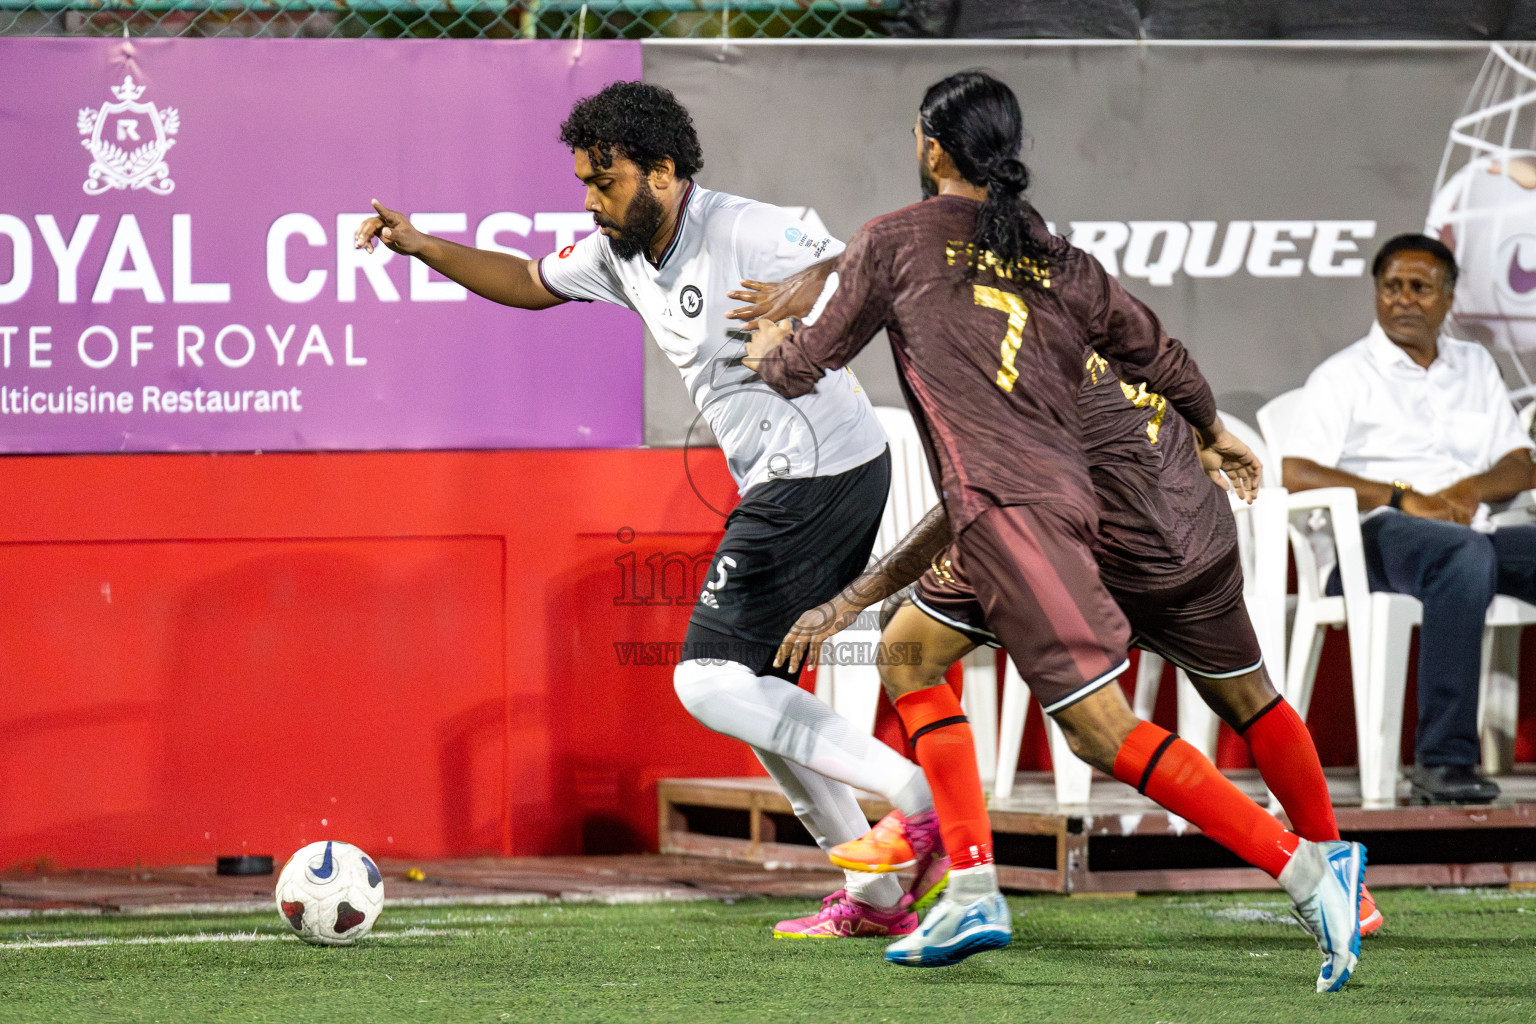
(1421, 427)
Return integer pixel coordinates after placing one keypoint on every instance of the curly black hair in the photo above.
(643, 122)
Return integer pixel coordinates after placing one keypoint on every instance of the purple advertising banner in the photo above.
(176, 261)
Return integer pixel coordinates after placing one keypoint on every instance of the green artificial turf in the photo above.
(1443, 957)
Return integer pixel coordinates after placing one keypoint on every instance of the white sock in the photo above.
(775, 715)
(831, 814)
(882, 892)
(967, 884)
(1300, 874)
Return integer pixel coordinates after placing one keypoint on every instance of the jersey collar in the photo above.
(677, 230)
(1388, 354)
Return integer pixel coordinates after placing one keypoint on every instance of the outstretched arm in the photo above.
(1123, 330)
(498, 276)
(901, 566)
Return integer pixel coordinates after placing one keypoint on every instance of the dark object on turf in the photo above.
(1451, 784)
(245, 866)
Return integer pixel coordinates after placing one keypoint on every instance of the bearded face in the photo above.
(925, 178)
(630, 237)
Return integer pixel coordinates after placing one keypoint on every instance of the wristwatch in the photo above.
(1399, 488)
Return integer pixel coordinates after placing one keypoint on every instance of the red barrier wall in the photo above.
(429, 654)
(210, 654)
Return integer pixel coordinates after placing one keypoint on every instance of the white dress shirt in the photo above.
(1370, 410)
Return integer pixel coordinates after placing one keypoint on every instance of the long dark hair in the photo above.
(976, 119)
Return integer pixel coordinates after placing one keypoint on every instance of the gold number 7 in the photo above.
(1018, 316)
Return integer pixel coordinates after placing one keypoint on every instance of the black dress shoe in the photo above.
(1451, 784)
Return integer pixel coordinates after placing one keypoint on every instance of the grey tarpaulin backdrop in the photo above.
(1185, 135)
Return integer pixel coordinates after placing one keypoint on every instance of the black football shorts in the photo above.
(789, 546)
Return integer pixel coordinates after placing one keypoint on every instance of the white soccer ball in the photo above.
(330, 893)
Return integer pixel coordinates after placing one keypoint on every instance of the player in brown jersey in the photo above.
(991, 319)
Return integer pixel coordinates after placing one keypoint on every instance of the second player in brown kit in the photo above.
(1168, 555)
(991, 320)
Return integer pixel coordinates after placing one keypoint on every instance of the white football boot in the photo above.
(1324, 880)
(970, 917)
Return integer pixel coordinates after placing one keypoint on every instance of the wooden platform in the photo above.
(1121, 842)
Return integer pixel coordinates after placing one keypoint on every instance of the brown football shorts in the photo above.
(1023, 577)
(1200, 625)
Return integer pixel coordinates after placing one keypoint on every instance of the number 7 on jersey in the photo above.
(1018, 316)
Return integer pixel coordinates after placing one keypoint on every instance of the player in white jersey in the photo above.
(812, 471)
(718, 239)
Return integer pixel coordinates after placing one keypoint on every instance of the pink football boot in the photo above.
(843, 917)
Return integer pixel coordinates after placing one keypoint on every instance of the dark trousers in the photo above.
(1454, 571)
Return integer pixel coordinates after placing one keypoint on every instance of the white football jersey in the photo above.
(722, 240)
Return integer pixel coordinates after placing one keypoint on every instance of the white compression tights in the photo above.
(791, 732)
(831, 814)
(777, 716)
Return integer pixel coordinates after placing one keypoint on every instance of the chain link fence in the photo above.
(466, 19)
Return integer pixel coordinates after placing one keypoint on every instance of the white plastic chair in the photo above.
(854, 690)
(1073, 777)
(1324, 530)
(980, 703)
(1324, 527)
(1498, 703)
(1498, 700)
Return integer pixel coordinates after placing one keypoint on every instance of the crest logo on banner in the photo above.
(128, 141)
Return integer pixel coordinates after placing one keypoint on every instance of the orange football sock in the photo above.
(941, 736)
(1286, 758)
(1178, 777)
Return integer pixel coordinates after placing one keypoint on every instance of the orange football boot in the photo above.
(896, 842)
(1370, 917)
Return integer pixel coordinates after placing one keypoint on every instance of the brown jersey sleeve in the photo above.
(855, 312)
(1122, 329)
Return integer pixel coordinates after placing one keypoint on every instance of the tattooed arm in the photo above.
(902, 566)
